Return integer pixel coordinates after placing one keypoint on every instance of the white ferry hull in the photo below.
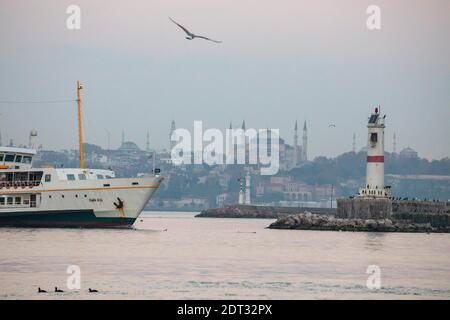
(85, 204)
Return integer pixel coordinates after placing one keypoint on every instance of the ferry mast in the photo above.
(80, 130)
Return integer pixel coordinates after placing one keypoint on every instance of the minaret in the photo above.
(147, 144)
(172, 130)
(354, 143)
(297, 154)
(246, 141)
(247, 190)
(305, 144)
(394, 144)
(123, 136)
(375, 158)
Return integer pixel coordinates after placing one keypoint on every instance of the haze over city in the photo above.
(279, 61)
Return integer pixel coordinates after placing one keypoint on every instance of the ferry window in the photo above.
(82, 176)
(25, 201)
(18, 159)
(9, 158)
(26, 159)
(108, 177)
(36, 175)
(48, 177)
(71, 177)
(2, 201)
(9, 200)
(18, 200)
(1, 157)
(99, 176)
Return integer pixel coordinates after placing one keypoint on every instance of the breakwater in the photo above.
(260, 212)
(380, 215)
(308, 221)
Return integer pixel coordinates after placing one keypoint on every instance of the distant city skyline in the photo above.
(279, 61)
(147, 146)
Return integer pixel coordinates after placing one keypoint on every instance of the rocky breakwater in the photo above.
(260, 212)
(309, 221)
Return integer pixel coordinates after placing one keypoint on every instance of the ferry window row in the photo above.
(17, 158)
(71, 177)
(82, 176)
(62, 196)
(21, 176)
(9, 201)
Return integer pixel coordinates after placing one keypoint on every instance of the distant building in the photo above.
(409, 153)
(172, 130)
(305, 144)
(129, 146)
(292, 192)
(298, 152)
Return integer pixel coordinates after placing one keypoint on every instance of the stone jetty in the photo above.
(377, 214)
(309, 221)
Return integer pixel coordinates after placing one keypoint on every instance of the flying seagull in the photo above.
(331, 125)
(191, 36)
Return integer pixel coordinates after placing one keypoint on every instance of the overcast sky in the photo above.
(279, 61)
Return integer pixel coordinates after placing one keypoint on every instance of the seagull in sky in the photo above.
(190, 35)
(332, 125)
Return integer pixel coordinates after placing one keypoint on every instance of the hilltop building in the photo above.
(408, 153)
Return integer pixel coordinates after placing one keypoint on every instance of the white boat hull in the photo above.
(82, 204)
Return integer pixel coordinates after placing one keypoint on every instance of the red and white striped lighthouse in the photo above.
(375, 158)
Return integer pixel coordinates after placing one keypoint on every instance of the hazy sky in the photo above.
(279, 61)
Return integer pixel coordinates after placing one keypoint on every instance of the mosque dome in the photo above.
(408, 153)
(129, 146)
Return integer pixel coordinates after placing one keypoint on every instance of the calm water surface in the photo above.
(202, 258)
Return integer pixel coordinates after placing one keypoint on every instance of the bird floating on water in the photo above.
(41, 291)
(92, 290)
(190, 35)
(58, 290)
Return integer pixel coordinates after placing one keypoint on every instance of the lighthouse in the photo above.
(247, 190)
(375, 187)
(241, 200)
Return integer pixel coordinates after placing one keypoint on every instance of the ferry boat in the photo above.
(68, 198)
